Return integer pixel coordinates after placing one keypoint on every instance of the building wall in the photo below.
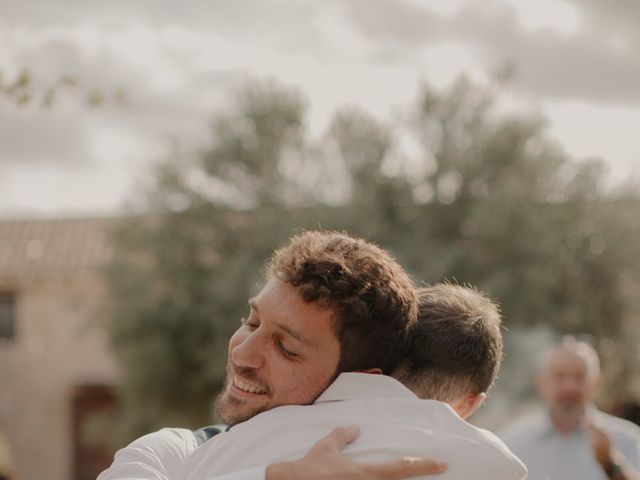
(59, 345)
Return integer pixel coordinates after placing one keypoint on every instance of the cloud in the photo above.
(180, 62)
(551, 64)
(596, 62)
(28, 137)
(613, 15)
(399, 22)
(262, 19)
(170, 77)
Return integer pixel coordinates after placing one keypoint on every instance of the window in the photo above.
(7, 315)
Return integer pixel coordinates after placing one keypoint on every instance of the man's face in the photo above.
(284, 353)
(566, 385)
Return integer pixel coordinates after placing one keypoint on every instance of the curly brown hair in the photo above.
(372, 298)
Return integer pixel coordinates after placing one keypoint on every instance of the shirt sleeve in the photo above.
(156, 456)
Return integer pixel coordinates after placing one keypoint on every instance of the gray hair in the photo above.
(579, 348)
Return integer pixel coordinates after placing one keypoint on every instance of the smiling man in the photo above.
(283, 353)
(332, 303)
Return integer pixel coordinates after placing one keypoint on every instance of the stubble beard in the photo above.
(569, 415)
(230, 409)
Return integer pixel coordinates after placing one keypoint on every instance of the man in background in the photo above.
(571, 438)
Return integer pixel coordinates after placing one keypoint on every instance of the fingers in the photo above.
(594, 430)
(405, 467)
(337, 439)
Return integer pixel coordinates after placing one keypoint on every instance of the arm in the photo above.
(156, 456)
(615, 466)
(326, 462)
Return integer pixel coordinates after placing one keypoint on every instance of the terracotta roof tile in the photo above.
(40, 247)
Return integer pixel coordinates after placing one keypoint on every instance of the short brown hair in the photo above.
(372, 298)
(455, 348)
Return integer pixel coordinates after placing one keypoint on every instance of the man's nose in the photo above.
(248, 353)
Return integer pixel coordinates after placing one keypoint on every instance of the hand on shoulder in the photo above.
(326, 462)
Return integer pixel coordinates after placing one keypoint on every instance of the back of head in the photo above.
(372, 298)
(456, 345)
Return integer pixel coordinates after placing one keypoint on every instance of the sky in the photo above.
(575, 61)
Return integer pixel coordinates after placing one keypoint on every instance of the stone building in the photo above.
(57, 402)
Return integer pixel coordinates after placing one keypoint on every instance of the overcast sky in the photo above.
(576, 61)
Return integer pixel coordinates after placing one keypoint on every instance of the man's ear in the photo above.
(468, 404)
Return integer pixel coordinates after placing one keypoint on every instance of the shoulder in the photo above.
(502, 454)
(622, 430)
(157, 455)
(174, 441)
(476, 447)
(619, 425)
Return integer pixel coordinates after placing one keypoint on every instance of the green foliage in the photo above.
(250, 145)
(24, 90)
(455, 190)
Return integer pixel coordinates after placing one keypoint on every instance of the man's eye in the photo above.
(251, 324)
(284, 351)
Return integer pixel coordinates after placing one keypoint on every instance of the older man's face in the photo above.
(566, 385)
(284, 353)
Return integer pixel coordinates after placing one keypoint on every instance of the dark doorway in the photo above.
(95, 419)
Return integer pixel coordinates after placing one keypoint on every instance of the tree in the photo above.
(454, 189)
(183, 271)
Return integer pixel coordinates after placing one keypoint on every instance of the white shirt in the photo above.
(553, 455)
(393, 423)
(157, 456)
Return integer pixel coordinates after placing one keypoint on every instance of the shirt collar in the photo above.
(352, 385)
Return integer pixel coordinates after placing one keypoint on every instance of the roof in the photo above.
(40, 247)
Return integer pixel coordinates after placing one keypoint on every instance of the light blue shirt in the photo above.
(553, 455)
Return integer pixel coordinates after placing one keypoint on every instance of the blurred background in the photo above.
(153, 154)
